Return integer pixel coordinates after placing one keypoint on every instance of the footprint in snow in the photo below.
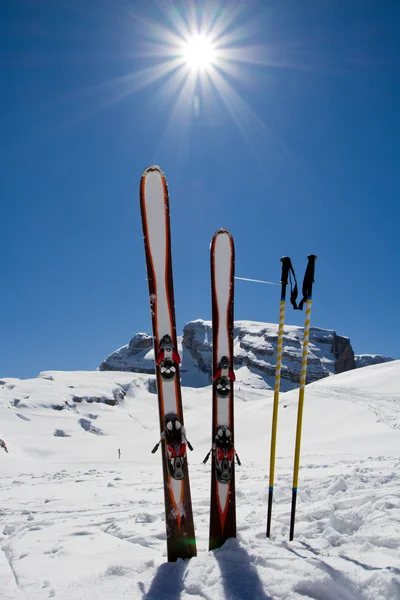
(23, 417)
(116, 571)
(46, 584)
(145, 518)
(8, 529)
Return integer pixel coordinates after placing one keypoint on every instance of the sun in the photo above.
(199, 52)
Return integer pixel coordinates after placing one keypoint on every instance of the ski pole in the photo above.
(307, 299)
(286, 266)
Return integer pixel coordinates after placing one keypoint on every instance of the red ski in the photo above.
(222, 507)
(154, 204)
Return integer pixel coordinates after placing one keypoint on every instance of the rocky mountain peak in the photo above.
(254, 351)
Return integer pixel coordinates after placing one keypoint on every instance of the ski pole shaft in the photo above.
(207, 457)
(286, 265)
(307, 285)
(156, 447)
(238, 459)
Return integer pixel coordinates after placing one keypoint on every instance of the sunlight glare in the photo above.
(199, 52)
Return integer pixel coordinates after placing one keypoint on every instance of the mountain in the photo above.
(365, 360)
(255, 352)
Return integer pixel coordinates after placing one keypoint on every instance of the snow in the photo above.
(77, 523)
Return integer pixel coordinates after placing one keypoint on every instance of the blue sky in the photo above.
(293, 145)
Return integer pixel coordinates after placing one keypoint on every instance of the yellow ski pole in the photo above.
(307, 298)
(286, 267)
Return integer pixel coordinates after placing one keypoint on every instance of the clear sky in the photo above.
(288, 135)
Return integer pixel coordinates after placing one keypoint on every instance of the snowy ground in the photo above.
(77, 523)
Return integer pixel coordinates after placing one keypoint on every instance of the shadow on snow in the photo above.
(239, 576)
(168, 582)
(337, 586)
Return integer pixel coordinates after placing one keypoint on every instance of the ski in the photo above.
(222, 505)
(154, 204)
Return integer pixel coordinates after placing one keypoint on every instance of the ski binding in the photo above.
(167, 358)
(175, 445)
(224, 452)
(223, 378)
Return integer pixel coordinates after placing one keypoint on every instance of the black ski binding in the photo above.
(175, 445)
(223, 378)
(167, 358)
(224, 452)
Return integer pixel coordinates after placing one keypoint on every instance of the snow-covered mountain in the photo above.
(365, 360)
(255, 354)
(77, 523)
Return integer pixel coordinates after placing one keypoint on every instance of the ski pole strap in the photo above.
(308, 280)
(288, 273)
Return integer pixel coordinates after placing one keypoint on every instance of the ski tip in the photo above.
(223, 231)
(222, 237)
(153, 169)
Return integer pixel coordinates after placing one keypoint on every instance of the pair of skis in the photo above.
(181, 543)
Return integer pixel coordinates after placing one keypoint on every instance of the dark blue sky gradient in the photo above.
(298, 153)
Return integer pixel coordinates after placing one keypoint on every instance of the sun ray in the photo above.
(181, 111)
(224, 20)
(174, 84)
(177, 20)
(254, 131)
(133, 82)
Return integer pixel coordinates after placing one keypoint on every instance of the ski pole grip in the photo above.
(311, 263)
(310, 271)
(286, 264)
(308, 280)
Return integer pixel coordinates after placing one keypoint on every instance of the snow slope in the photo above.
(77, 523)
